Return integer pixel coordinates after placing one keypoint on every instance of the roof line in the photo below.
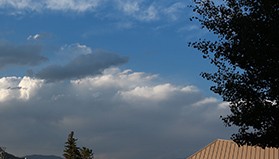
(207, 146)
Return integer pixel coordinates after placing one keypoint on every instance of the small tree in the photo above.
(86, 153)
(71, 150)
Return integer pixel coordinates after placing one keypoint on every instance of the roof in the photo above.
(227, 149)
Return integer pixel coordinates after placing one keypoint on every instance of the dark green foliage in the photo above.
(246, 54)
(86, 153)
(71, 150)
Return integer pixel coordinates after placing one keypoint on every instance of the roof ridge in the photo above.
(229, 148)
(216, 140)
(224, 140)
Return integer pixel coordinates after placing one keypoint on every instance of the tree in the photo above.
(71, 150)
(245, 52)
(86, 153)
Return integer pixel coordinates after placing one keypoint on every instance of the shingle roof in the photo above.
(227, 149)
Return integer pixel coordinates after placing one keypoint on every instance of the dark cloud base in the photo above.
(20, 55)
(81, 66)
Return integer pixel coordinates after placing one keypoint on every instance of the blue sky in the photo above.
(117, 72)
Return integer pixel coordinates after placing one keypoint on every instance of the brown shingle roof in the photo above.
(227, 149)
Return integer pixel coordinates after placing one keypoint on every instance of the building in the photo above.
(227, 149)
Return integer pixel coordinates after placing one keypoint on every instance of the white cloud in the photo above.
(13, 88)
(224, 105)
(34, 37)
(61, 5)
(206, 101)
(114, 78)
(129, 7)
(20, 4)
(8, 88)
(159, 92)
(120, 114)
(129, 10)
(28, 87)
(75, 50)
(72, 5)
(158, 10)
(138, 10)
(151, 13)
(174, 11)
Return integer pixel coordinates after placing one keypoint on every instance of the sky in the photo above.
(119, 73)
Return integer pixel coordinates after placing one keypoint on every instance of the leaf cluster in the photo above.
(246, 54)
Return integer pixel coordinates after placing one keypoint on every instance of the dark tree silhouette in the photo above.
(71, 150)
(86, 153)
(246, 54)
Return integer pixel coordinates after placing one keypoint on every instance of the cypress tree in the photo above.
(71, 150)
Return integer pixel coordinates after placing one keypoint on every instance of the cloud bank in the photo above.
(84, 65)
(121, 114)
(20, 55)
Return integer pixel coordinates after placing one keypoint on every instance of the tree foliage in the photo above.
(246, 55)
(72, 151)
(86, 153)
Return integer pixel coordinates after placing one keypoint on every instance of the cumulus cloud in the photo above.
(7, 85)
(154, 93)
(120, 114)
(20, 55)
(18, 88)
(88, 64)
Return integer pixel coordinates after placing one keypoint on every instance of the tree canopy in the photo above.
(246, 55)
(86, 153)
(72, 151)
